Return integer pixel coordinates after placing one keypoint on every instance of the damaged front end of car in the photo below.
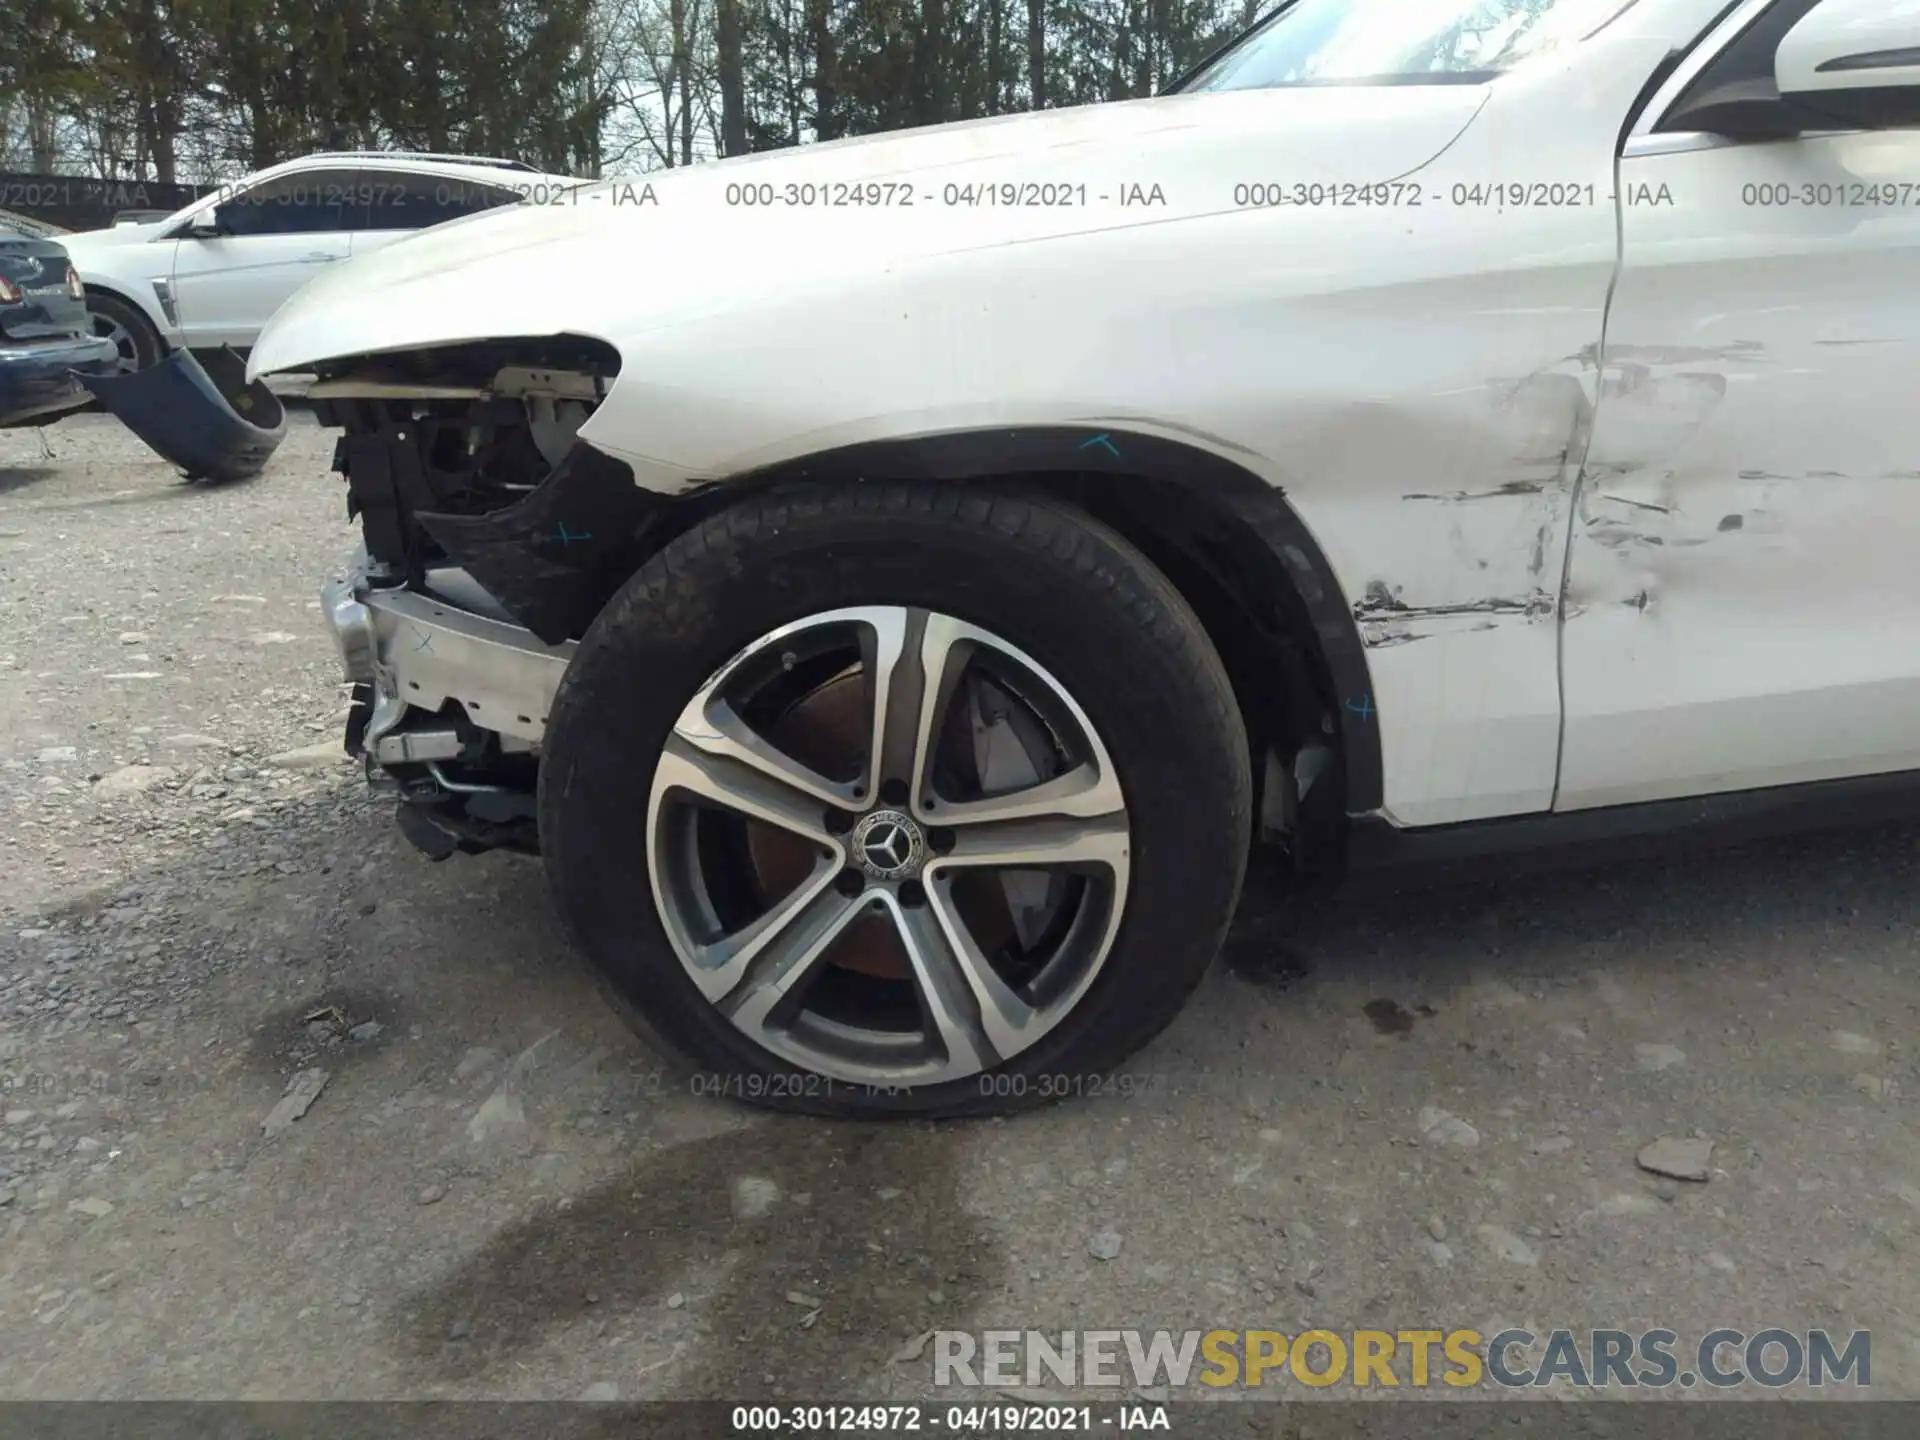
(491, 537)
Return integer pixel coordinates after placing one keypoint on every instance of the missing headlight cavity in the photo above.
(466, 456)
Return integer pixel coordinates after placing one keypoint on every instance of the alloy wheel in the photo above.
(888, 846)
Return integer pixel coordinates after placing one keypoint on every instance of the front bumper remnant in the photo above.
(451, 706)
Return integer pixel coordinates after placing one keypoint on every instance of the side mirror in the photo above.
(1743, 110)
(1853, 63)
(204, 226)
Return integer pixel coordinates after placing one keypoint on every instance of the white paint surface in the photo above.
(1422, 380)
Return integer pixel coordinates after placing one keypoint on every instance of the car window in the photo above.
(1748, 59)
(307, 203)
(1399, 42)
(408, 200)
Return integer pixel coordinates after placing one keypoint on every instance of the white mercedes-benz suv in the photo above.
(894, 583)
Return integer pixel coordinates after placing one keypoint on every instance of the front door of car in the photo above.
(267, 241)
(1741, 609)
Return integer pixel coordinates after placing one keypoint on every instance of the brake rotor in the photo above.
(821, 730)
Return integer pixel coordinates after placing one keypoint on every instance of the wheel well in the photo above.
(1240, 556)
(132, 304)
(1265, 636)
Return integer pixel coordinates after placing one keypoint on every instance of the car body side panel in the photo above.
(1426, 424)
(365, 242)
(127, 260)
(133, 277)
(1418, 378)
(1421, 430)
(227, 287)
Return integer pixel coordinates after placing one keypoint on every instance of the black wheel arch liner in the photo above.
(1229, 491)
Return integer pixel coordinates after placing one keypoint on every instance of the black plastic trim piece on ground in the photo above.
(438, 823)
(1575, 838)
(421, 833)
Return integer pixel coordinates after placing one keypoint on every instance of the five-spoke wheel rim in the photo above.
(972, 835)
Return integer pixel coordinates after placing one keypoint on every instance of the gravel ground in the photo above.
(1396, 1109)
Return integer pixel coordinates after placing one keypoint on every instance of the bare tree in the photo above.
(203, 89)
(733, 87)
(1037, 54)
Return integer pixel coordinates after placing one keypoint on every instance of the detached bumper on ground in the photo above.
(450, 705)
(206, 419)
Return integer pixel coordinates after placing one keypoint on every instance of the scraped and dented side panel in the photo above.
(1742, 607)
(1454, 571)
(1414, 371)
(1436, 458)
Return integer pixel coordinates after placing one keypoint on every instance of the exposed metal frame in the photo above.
(511, 382)
(419, 653)
(503, 677)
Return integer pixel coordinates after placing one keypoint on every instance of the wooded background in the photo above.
(198, 90)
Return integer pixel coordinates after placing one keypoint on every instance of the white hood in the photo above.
(659, 251)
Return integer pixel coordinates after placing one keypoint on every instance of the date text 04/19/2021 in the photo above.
(969, 194)
(743, 1085)
(980, 1419)
(1459, 195)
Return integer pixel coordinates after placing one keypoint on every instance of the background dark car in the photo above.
(45, 332)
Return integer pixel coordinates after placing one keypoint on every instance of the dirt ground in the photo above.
(499, 1195)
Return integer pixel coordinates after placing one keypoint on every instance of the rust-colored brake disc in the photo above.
(822, 730)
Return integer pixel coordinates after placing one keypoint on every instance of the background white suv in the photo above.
(214, 272)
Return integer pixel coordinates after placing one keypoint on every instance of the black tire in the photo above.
(148, 347)
(1048, 578)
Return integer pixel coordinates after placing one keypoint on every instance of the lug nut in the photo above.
(894, 792)
(912, 893)
(849, 882)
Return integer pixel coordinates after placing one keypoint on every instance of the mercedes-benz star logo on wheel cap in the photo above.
(888, 845)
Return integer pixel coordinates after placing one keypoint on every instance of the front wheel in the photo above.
(897, 798)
